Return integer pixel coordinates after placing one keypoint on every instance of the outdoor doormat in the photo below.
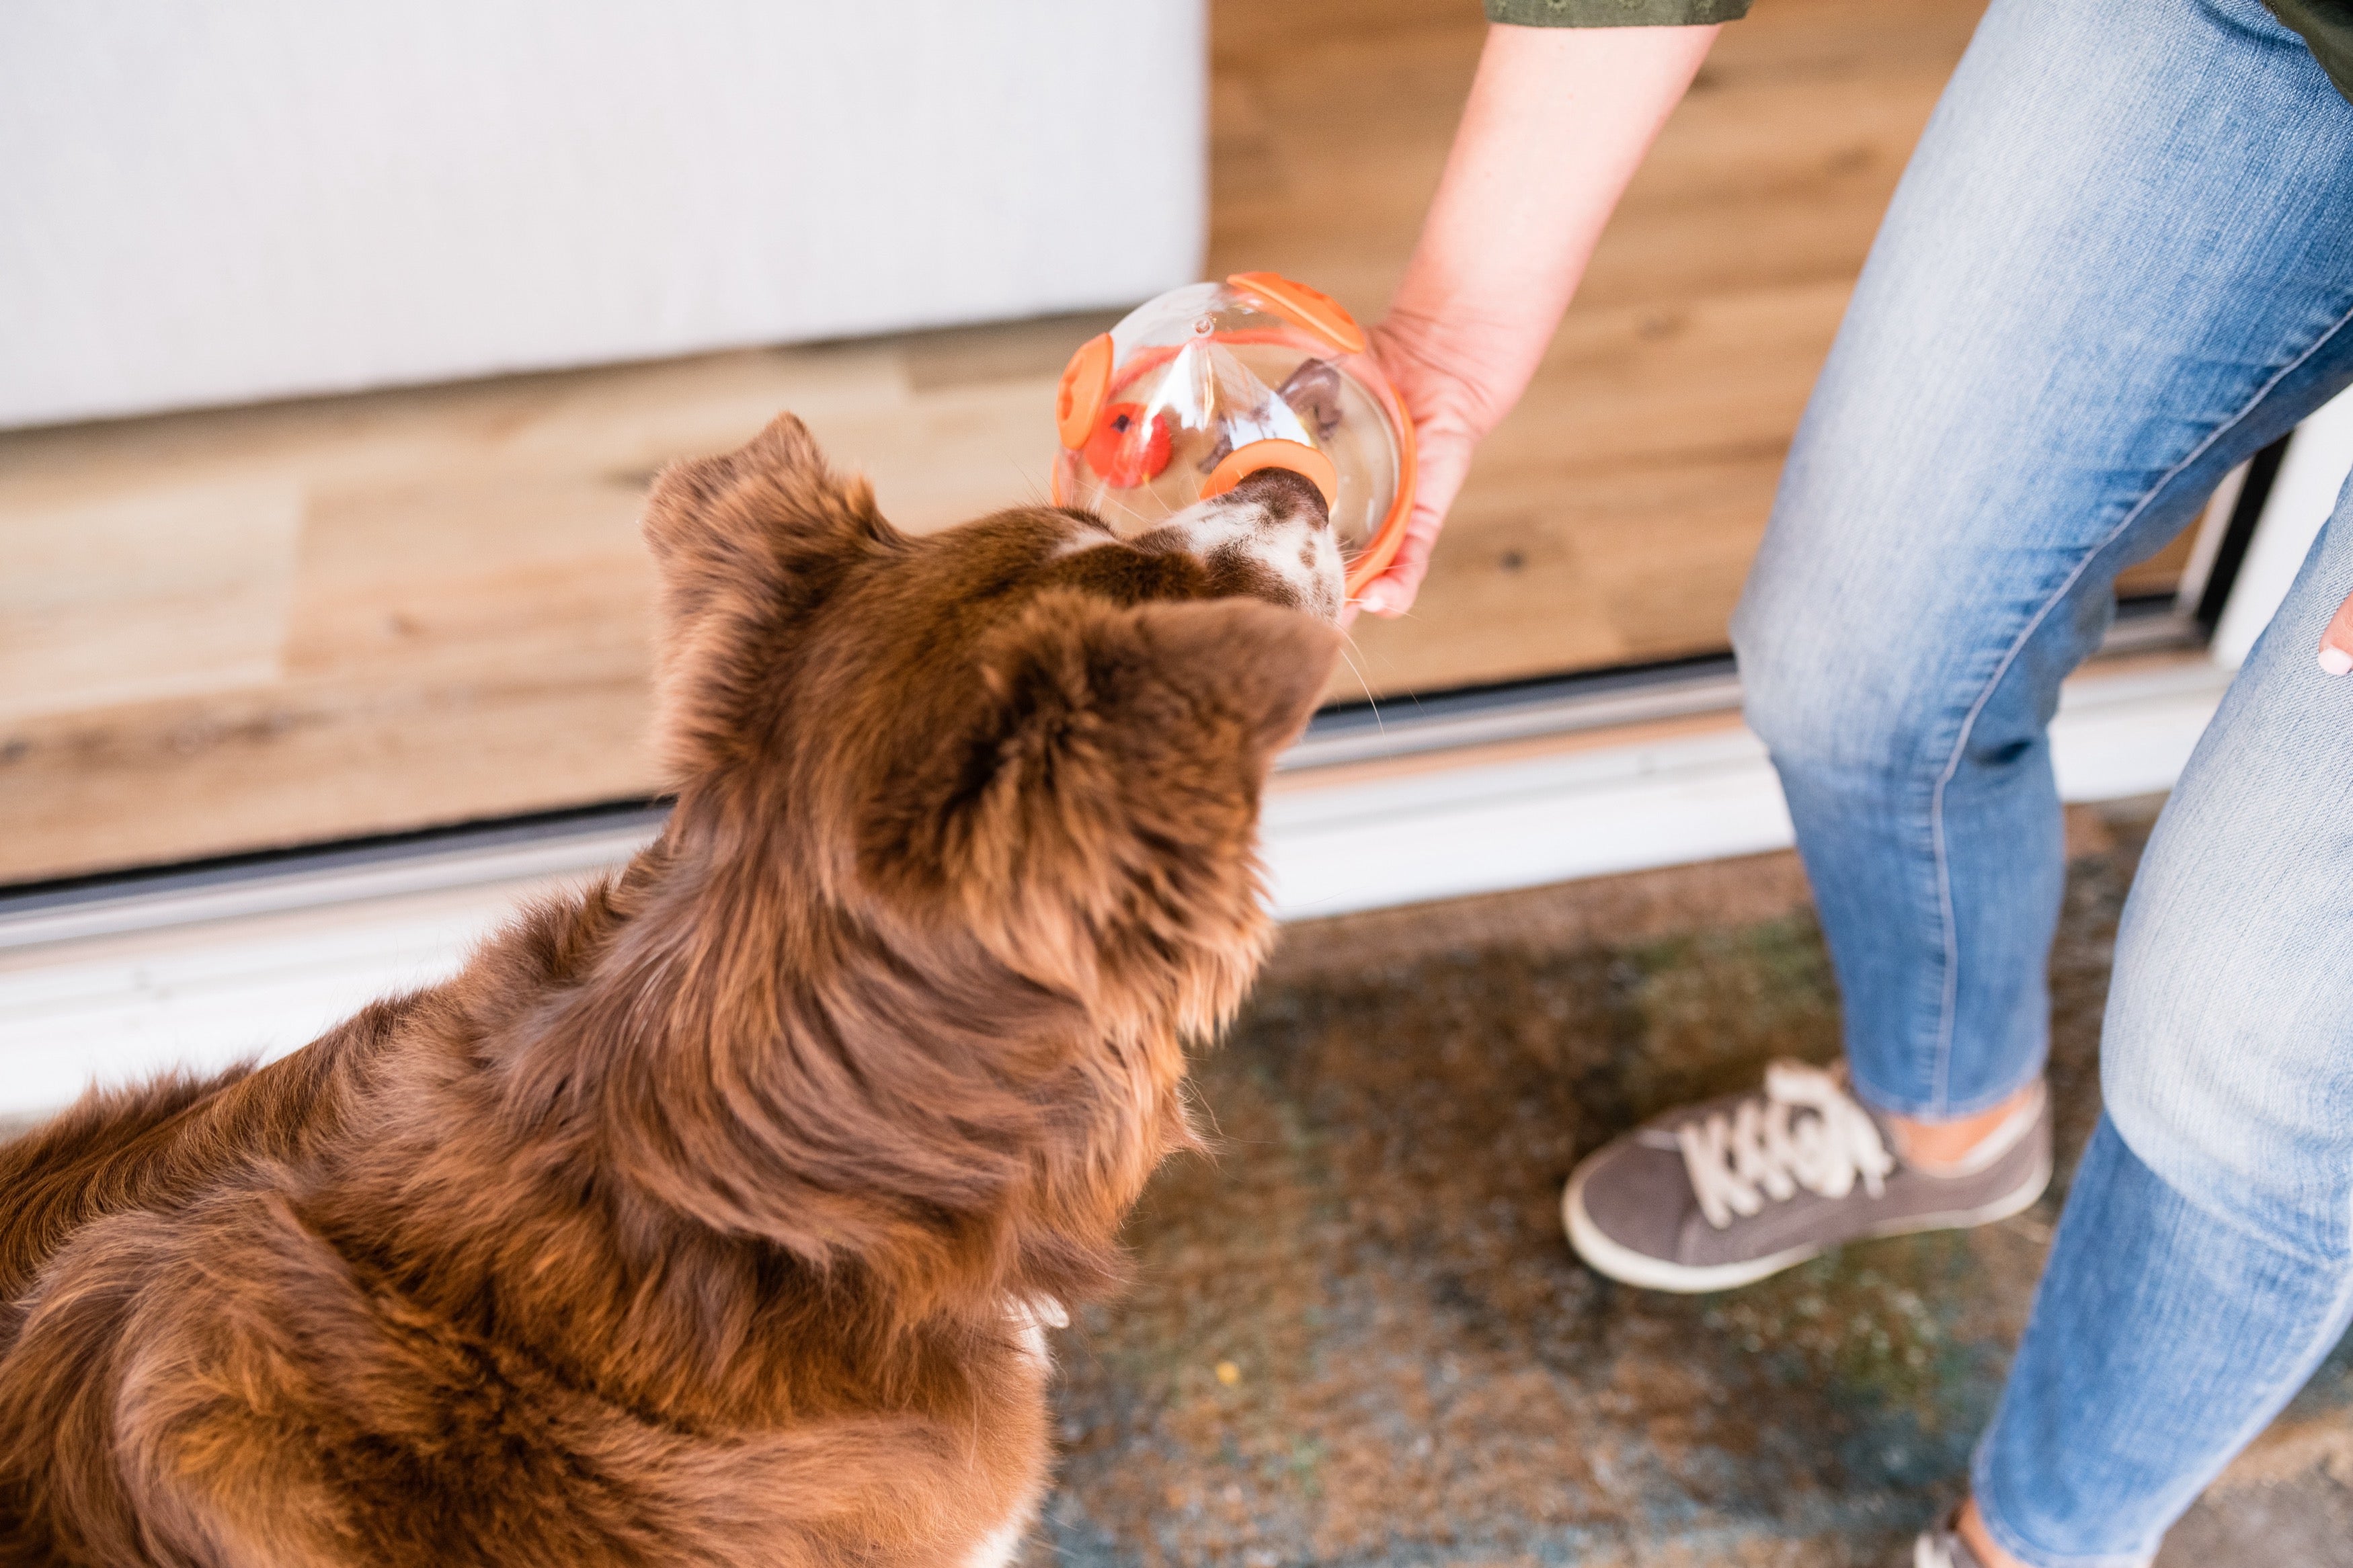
(1356, 1336)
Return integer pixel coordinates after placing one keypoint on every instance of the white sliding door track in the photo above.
(1681, 793)
(355, 875)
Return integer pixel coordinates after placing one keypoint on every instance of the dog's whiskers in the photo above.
(1349, 642)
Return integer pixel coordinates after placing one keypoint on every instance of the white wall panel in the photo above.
(243, 199)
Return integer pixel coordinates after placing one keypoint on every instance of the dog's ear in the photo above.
(1101, 805)
(747, 544)
(748, 519)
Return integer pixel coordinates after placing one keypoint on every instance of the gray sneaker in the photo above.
(1723, 1194)
(1944, 1548)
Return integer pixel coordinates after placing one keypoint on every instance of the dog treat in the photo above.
(1314, 393)
(1208, 383)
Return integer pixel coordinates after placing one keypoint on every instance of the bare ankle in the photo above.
(1934, 1145)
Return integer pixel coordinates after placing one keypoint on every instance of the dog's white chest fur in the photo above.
(997, 1548)
(1030, 1321)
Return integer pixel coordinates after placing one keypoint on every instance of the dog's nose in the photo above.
(1287, 495)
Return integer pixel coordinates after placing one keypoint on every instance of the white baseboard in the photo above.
(206, 984)
(1481, 829)
(1520, 824)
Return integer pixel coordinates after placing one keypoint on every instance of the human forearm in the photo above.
(1558, 119)
(1556, 126)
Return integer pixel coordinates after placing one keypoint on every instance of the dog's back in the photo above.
(234, 1346)
(708, 1216)
(122, 1164)
(158, 1144)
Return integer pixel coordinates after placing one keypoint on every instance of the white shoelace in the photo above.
(1766, 1149)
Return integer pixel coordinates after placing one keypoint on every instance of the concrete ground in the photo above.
(1356, 1337)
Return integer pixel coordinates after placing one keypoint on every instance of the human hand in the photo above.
(1449, 420)
(2336, 642)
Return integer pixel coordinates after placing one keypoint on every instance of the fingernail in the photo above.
(2336, 660)
(1375, 603)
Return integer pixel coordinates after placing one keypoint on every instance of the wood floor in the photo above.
(229, 630)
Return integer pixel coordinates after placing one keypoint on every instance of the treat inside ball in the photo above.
(1206, 384)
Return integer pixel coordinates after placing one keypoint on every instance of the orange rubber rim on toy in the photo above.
(1382, 548)
(1311, 310)
(1246, 460)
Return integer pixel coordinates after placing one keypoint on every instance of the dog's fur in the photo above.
(709, 1216)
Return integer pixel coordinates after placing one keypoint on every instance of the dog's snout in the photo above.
(1287, 495)
(1270, 535)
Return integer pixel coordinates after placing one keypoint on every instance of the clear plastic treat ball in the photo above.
(1214, 381)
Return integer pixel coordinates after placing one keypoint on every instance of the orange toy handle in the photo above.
(1086, 382)
(1246, 460)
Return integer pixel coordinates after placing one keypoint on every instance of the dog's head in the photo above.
(993, 790)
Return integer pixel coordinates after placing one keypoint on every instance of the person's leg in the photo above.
(2120, 262)
(2205, 1263)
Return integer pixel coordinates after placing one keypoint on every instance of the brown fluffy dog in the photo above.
(708, 1217)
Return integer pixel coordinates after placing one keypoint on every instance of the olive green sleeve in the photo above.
(1615, 13)
(2327, 25)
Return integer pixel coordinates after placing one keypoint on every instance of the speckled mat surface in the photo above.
(1356, 1336)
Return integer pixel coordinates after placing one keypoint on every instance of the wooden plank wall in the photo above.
(251, 627)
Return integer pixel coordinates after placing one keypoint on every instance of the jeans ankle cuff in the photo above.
(1989, 1512)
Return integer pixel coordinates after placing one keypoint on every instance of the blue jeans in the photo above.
(2120, 263)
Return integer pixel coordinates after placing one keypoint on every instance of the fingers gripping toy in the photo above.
(1215, 381)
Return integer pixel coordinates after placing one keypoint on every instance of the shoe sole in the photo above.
(1615, 1261)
